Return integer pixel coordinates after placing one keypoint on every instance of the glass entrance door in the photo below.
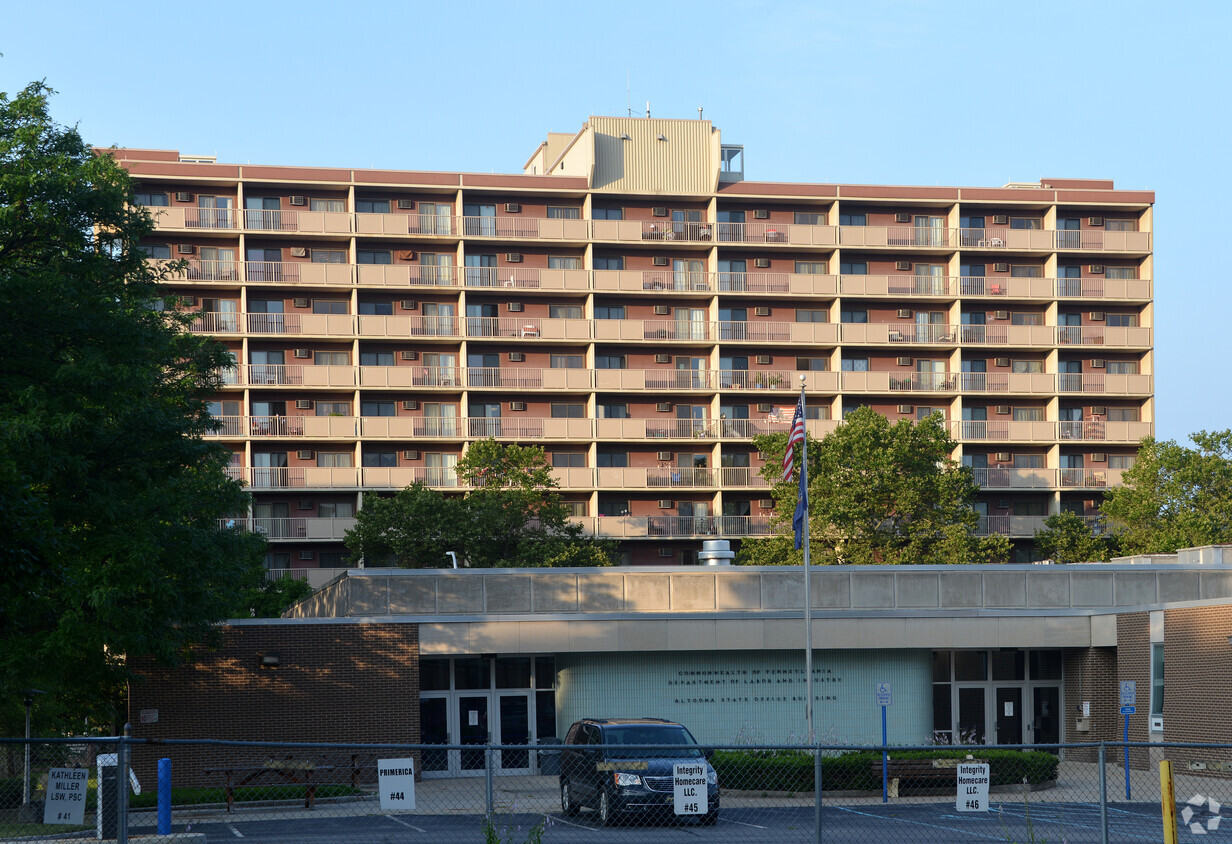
(514, 724)
(1009, 715)
(434, 729)
(1045, 714)
(972, 715)
(473, 728)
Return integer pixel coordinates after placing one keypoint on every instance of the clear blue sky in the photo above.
(949, 93)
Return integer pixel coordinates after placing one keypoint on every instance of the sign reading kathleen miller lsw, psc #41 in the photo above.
(973, 781)
(396, 782)
(689, 788)
(66, 795)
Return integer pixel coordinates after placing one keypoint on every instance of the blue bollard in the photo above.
(164, 796)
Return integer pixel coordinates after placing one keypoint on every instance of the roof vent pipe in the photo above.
(716, 552)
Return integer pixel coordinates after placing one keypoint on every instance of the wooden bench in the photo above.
(917, 772)
(290, 770)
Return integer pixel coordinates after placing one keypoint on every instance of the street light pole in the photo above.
(26, 812)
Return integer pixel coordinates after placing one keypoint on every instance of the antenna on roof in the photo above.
(699, 112)
(647, 108)
(628, 93)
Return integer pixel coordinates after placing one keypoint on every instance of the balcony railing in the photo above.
(517, 227)
(293, 528)
(530, 278)
(898, 285)
(1013, 478)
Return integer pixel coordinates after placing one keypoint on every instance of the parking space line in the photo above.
(559, 819)
(919, 823)
(235, 831)
(742, 823)
(404, 823)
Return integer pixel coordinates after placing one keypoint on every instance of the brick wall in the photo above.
(335, 683)
(1134, 663)
(1197, 685)
(1090, 675)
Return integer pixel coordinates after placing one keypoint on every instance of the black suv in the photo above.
(615, 766)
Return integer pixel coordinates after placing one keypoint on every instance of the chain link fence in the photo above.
(218, 791)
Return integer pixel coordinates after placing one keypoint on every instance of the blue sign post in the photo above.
(1129, 699)
(884, 695)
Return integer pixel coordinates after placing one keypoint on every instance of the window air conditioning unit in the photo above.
(903, 313)
(765, 407)
(513, 257)
(1099, 410)
(1095, 221)
(663, 407)
(666, 504)
(761, 310)
(185, 249)
(513, 208)
(183, 196)
(410, 404)
(1096, 316)
(1001, 362)
(1099, 457)
(902, 217)
(299, 251)
(663, 358)
(1097, 363)
(662, 310)
(410, 454)
(517, 357)
(305, 555)
(409, 355)
(298, 200)
(663, 455)
(659, 211)
(1000, 314)
(902, 265)
(517, 405)
(305, 454)
(1000, 219)
(299, 303)
(660, 260)
(514, 307)
(764, 360)
(409, 305)
(766, 503)
(406, 254)
(761, 263)
(906, 408)
(1095, 269)
(303, 504)
(189, 301)
(406, 204)
(303, 404)
(761, 213)
(1002, 409)
(303, 353)
(905, 361)
(1001, 267)
(665, 552)
(1003, 457)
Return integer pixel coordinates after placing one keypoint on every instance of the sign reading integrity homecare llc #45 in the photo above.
(689, 787)
(396, 781)
(66, 795)
(973, 780)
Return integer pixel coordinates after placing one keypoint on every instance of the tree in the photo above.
(878, 493)
(512, 517)
(110, 497)
(1174, 496)
(1069, 538)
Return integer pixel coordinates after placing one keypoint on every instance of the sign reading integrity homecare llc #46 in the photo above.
(66, 795)
(973, 780)
(689, 786)
(396, 781)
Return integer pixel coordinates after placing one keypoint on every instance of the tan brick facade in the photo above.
(1090, 675)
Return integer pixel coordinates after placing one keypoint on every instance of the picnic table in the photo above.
(289, 770)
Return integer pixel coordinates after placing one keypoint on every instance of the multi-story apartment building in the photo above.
(631, 303)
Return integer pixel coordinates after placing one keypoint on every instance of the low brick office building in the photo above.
(1002, 654)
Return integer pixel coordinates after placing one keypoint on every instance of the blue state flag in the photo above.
(800, 519)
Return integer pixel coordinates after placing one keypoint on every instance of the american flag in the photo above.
(794, 437)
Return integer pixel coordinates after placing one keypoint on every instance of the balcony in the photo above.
(526, 429)
(409, 326)
(312, 427)
(299, 273)
(900, 332)
(522, 379)
(1014, 479)
(1012, 287)
(1015, 526)
(445, 377)
(899, 285)
(1004, 430)
(517, 227)
(638, 231)
(312, 222)
(1113, 385)
(634, 527)
(995, 239)
(531, 278)
(437, 477)
(404, 275)
(786, 233)
(410, 427)
(533, 328)
(272, 375)
(916, 237)
(1089, 478)
(276, 529)
(426, 225)
(296, 477)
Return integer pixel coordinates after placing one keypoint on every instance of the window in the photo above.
(157, 251)
(1026, 271)
(612, 459)
(809, 315)
(853, 267)
(1024, 318)
(619, 507)
(376, 308)
(613, 411)
(1121, 367)
(568, 410)
(808, 218)
(336, 510)
(608, 213)
(1120, 225)
(855, 315)
(816, 411)
(374, 256)
(577, 509)
(564, 262)
(1157, 679)
(813, 364)
(812, 267)
(566, 459)
(1028, 414)
(567, 361)
(1122, 461)
(609, 311)
(334, 459)
(1120, 272)
(852, 219)
(609, 361)
(372, 206)
(377, 408)
(329, 256)
(565, 311)
(153, 199)
(1030, 508)
(1028, 461)
(329, 306)
(1124, 414)
(563, 212)
(335, 205)
(1121, 319)
(380, 459)
(333, 408)
(855, 364)
(610, 262)
(376, 358)
(331, 358)
(1026, 223)
(1027, 366)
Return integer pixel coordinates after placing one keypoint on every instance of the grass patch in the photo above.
(246, 794)
(12, 829)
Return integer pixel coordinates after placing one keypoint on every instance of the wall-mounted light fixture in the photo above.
(272, 659)
(624, 136)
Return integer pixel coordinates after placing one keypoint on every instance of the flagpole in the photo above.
(808, 592)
